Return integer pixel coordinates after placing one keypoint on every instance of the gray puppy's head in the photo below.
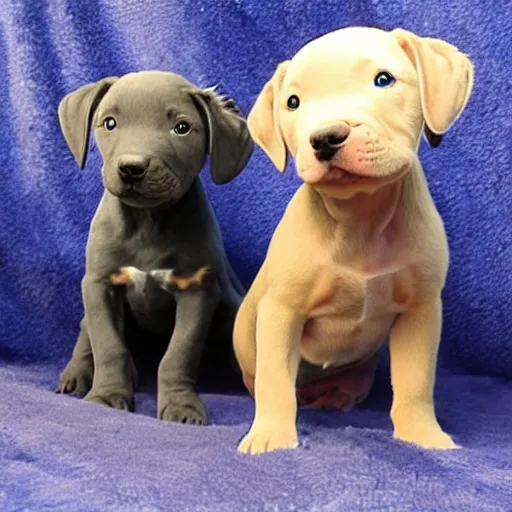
(154, 130)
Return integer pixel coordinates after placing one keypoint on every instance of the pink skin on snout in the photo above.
(362, 158)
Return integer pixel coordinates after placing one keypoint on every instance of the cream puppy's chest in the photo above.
(353, 314)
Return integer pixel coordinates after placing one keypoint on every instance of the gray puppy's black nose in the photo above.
(132, 167)
(327, 141)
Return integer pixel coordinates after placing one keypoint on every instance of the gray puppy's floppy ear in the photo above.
(76, 112)
(229, 143)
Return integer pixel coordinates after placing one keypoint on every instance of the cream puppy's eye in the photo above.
(384, 79)
(293, 102)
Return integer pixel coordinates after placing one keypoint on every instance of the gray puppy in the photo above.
(154, 251)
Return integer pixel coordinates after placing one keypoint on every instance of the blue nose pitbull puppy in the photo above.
(154, 250)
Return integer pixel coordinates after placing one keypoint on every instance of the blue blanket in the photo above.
(57, 453)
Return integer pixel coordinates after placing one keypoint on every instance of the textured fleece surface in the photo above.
(63, 454)
(57, 453)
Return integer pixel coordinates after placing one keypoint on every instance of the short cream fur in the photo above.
(361, 252)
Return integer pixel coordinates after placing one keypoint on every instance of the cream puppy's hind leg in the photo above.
(413, 345)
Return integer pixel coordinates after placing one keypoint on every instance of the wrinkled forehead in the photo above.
(146, 96)
(348, 54)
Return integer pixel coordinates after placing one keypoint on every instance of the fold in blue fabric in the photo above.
(58, 453)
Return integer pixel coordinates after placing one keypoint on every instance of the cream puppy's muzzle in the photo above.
(351, 105)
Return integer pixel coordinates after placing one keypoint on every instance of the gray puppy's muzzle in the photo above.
(132, 167)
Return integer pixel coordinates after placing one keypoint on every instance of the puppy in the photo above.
(154, 131)
(360, 253)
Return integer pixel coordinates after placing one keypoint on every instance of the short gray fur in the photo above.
(154, 214)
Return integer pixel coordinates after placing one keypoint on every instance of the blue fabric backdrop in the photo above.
(50, 47)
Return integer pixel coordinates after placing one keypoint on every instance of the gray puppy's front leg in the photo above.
(179, 368)
(114, 371)
(78, 374)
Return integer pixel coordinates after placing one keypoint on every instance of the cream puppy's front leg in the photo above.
(278, 334)
(413, 346)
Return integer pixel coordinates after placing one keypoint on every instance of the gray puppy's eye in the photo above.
(109, 124)
(182, 128)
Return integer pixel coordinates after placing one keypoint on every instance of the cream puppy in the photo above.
(360, 254)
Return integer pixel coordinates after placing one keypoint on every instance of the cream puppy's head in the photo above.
(351, 105)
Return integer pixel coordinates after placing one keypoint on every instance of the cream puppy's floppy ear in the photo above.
(445, 76)
(263, 120)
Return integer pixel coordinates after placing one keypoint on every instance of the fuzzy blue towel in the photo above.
(57, 453)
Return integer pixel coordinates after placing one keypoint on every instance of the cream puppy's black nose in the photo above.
(327, 141)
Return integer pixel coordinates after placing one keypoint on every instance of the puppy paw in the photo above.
(428, 438)
(416, 423)
(183, 407)
(114, 400)
(76, 377)
(263, 440)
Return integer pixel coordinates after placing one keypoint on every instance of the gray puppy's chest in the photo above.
(139, 250)
(170, 240)
(147, 252)
(151, 306)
